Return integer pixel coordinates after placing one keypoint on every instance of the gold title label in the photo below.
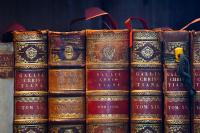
(30, 108)
(66, 108)
(66, 80)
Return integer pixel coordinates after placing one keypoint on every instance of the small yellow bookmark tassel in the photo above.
(178, 52)
(183, 70)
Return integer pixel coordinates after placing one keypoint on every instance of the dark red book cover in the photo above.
(66, 75)
(177, 109)
(146, 82)
(195, 63)
(107, 81)
(31, 105)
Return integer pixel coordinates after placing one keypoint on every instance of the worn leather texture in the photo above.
(67, 48)
(177, 108)
(67, 81)
(107, 49)
(30, 49)
(66, 77)
(107, 80)
(30, 101)
(66, 108)
(195, 64)
(146, 82)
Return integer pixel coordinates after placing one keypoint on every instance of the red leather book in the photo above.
(30, 80)
(195, 47)
(31, 111)
(146, 82)
(107, 81)
(66, 76)
(177, 113)
(30, 49)
(6, 87)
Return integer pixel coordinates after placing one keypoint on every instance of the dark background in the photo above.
(56, 14)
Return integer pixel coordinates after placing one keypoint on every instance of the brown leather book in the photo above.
(195, 63)
(176, 109)
(30, 113)
(66, 81)
(6, 87)
(107, 81)
(146, 82)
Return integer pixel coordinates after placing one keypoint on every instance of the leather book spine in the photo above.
(195, 63)
(67, 48)
(31, 106)
(107, 81)
(177, 109)
(146, 82)
(6, 87)
(66, 76)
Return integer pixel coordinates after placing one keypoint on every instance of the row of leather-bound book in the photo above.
(116, 88)
(101, 81)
